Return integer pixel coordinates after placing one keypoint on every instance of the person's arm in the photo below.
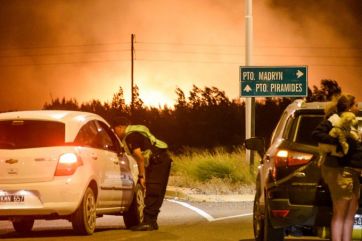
(137, 154)
(321, 133)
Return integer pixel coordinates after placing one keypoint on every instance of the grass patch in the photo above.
(214, 172)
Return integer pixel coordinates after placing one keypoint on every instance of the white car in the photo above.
(64, 165)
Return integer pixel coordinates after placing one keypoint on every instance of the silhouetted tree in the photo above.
(328, 89)
(95, 106)
(137, 101)
(206, 119)
(118, 101)
(181, 99)
(63, 104)
(195, 99)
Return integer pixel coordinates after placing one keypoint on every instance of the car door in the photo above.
(121, 179)
(92, 153)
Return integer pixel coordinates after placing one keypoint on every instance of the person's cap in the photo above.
(120, 121)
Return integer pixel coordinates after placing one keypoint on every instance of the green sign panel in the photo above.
(290, 81)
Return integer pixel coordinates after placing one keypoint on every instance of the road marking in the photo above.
(195, 209)
(230, 217)
(204, 214)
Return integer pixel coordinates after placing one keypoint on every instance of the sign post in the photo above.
(273, 81)
(249, 102)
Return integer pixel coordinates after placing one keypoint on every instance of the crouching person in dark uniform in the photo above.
(154, 165)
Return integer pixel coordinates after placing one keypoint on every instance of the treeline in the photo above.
(207, 118)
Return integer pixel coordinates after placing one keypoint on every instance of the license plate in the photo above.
(358, 220)
(12, 198)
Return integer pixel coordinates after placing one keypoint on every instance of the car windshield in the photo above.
(18, 134)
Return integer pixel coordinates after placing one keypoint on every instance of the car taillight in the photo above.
(280, 213)
(67, 164)
(288, 158)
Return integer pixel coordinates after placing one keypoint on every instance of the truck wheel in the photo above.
(271, 233)
(84, 219)
(134, 214)
(258, 219)
(24, 225)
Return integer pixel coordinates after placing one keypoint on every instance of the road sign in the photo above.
(272, 81)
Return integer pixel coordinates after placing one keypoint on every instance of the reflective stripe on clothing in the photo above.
(143, 130)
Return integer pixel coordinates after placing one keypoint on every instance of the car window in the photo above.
(304, 127)
(288, 126)
(18, 134)
(280, 126)
(87, 135)
(106, 138)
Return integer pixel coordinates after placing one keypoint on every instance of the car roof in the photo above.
(73, 120)
(300, 105)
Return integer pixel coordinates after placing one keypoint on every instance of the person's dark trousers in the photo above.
(157, 174)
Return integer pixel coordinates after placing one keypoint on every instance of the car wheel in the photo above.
(271, 233)
(84, 219)
(134, 214)
(258, 219)
(23, 225)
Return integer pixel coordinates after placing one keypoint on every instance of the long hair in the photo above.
(339, 104)
(345, 102)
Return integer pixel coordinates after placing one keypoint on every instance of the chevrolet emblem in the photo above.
(11, 161)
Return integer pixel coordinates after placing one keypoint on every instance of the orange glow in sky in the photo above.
(179, 43)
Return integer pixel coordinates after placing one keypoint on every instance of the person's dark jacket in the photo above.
(354, 155)
(321, 135)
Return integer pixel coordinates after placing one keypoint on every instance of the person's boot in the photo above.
(146, 226)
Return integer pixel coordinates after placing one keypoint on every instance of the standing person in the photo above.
(154, 164)
(342, 181)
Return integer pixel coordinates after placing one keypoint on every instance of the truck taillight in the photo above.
(280, 213)
(288, 158)
(67, 164)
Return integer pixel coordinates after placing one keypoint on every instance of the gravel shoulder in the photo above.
(190, 194)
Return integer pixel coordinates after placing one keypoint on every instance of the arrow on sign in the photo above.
(299, 74)
(247, 89)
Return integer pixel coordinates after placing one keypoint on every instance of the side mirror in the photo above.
(256, 144)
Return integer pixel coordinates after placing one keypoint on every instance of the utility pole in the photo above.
(250, 101)
(132, 68)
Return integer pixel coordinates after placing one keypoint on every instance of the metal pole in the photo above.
(249, 102)
(132, 58)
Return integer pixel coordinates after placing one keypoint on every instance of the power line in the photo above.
(236, 63)
(63, 46)
(192, 52)
(310, 47)
(309, 56)
(185, 61)
(159, 60)
(62, 54)
(64, 63)
(241, 54)
(189, 44)
(242, 46)
(174, 43)
(173, 51)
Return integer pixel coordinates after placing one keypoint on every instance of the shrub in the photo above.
(203, 168)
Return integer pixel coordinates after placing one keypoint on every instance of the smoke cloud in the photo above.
(81, 49)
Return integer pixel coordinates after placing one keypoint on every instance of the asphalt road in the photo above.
(179, 220)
